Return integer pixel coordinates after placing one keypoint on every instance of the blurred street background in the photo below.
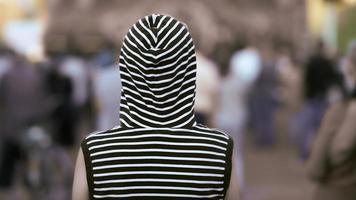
(267, 72)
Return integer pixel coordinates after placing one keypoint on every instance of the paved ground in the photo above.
(276, 173)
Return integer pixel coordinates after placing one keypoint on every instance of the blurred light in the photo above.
(246, 65)
(349, 1)
(25, 37)
(315, 16)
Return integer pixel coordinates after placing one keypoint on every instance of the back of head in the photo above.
(158, 69)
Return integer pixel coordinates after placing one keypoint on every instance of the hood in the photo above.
(158, 74)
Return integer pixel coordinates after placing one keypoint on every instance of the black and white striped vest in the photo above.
(158, 151)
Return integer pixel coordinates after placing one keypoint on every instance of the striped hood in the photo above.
(158, 74)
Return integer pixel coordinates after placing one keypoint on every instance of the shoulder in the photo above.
(102, 134)
(213, 132)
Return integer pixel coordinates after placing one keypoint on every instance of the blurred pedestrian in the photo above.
(320, 78)
(232, 109)
(64, 113)
(332, 163)
(76, 68)
(107, 90)
(263, 101)
(208, 82)
(21, 97)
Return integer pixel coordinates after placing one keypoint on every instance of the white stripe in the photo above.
(158, 165)
(148, 30)
(154, 89)
(175, 46)
(157, 115)
(157, 188)
(175, 173)
(173, 71)
(158, 96)
(158, 180)
(136, 39)
(132, 120)
(164, 27)
(131, 98)
(158, 67)
(174, 37)
(167, 34)
(156, 150)
(161, 129)
(156, 194)
(158, 158)
(157, 135)
(163, 123)
(160, 21)
(162, 54)
(157, 143)
(141, 34)
(129, 65)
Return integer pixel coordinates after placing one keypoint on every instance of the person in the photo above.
(21, 94)
(63, 115)
(332, 163)
(76, 68)
(263, 102)
(320, 79)
(208, 82)
(158, 151)
(107, 90)
(232, 113)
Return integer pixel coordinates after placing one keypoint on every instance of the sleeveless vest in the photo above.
(158, 151)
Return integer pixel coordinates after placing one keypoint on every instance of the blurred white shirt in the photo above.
(76, 70)
(107, 88)
(207, 83)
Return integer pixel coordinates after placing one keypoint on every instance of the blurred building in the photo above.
(333, 21)
(88, 22)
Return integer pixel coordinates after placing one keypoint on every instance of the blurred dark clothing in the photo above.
(64, 115)
(309, 119)
(320, 76)
(353, 94)
(263, 103)
(11, 154)
(332, 163)
(21, 99)
(201, 118)
(21, 105)
(335, 193)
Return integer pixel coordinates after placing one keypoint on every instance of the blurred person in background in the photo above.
(263, 101)
(232, 113)
(208, 83)
(332, 163)
(289, 78)
(21, 98)
(107, 89)
(5, 60)
(5, 64)
(321, 82)
(77, 68)
(64, 113)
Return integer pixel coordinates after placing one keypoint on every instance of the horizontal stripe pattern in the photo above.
(164, 163)
(158, 151)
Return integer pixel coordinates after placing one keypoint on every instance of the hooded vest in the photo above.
(158, 151)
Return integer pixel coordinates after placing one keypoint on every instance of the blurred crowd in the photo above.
(47, 107)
